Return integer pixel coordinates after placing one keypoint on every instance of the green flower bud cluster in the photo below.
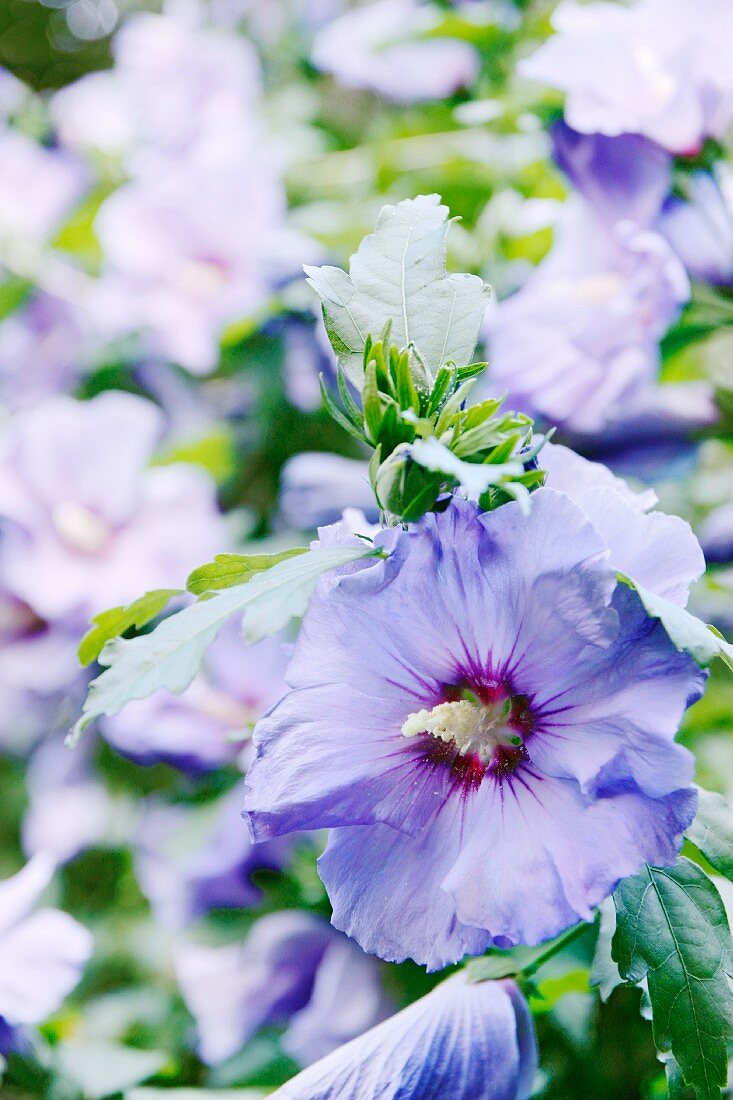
(428, 441)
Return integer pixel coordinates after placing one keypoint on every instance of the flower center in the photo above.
(79, 527)
(483, 730)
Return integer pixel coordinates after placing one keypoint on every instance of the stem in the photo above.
(520, 962)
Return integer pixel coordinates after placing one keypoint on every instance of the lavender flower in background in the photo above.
(69, 807)
(292, 968)
(190, 860)
(626, 177)
(85, 524)
(40, 341)
(659, 68)
(175, 86)
(700, 226)
(578, 344)
(469, 1042)
(38, 188)
(317, 486)
(42, 952)
(38, 667)
(631, 177)
(174, 270)
(716, 534)
(490, 730)
(267, 23)
(42, 350)
(12, 94)
(204, 727)
(385, 46)
(181, 110)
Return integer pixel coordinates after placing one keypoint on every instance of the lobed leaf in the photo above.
(110, 624)
(227, 570)
(672, 932)
(399, 275)
(171, 655)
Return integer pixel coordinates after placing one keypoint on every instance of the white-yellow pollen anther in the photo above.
(474, 728)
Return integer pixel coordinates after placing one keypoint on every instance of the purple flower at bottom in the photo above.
(292, 968)
(42, 953)
(463, 1041)
(657, 551)
(486, 721)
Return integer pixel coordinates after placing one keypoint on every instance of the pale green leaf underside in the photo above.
(604, 974)
(171, 655)
(685, 631)
(712, 831)
(672, 930)
(398, 275)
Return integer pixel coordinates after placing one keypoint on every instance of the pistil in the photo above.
(476, 729)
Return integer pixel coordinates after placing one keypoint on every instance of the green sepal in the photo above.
(335, 412)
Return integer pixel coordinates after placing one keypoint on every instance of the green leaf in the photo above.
(712, 831)
(13, 292)
(110, 624)
(351, 408)
(102, 1069)
(215, 453)
(338, 415)
(551, 990)
(407, 395)
(399, 275)
(171, 655)
(227, 570)
(672, 931)
(442, 385)
(372, 402)
(688, 633)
